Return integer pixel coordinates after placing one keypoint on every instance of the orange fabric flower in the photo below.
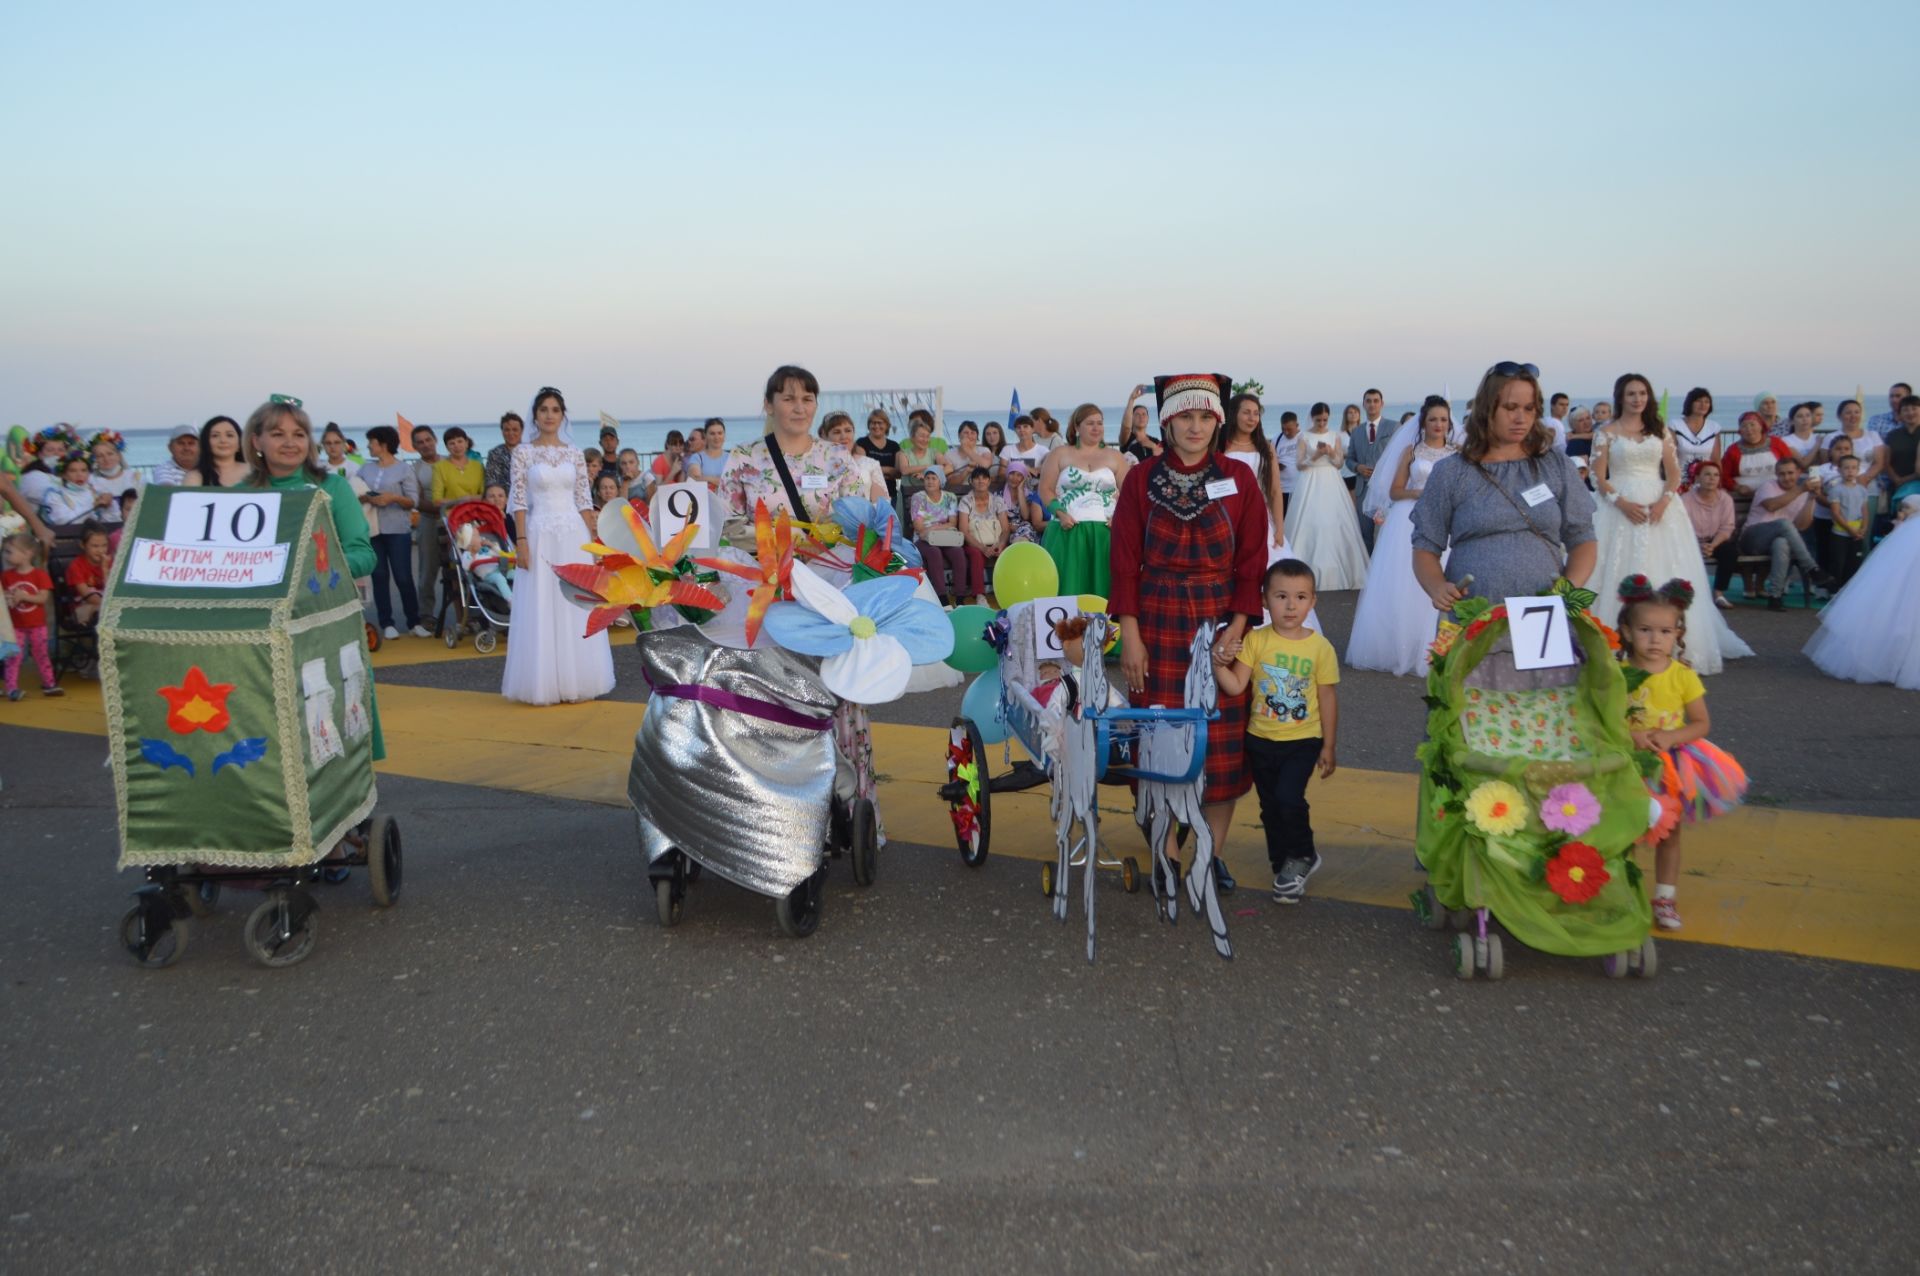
(1576, 873)
(196, 704)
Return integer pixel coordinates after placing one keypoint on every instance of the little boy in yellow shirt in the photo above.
(1292, 718)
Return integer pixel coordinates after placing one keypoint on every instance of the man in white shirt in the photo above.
(1286, 450)
(1557, 419)
(183, 454)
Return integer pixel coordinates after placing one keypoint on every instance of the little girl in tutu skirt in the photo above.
(1667, 714)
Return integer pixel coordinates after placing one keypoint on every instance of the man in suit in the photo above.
(1365, 443)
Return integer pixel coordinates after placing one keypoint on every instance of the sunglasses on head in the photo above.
(1508, 368)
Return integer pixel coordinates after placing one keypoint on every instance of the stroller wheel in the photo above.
(863, 847)
(152, 938)
(383, 860)
(1130, 875)
(373, 638)
(1646, 961)
(1614, 965)
(798, 911)
(1496, 964)
(666, 902)
(282, 930)
(1461, 919)
(1463, 963)
(485, 641)
(452, 634)
(1046, 880)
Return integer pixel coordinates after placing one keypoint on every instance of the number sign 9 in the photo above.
(677, 504)
(234, 519)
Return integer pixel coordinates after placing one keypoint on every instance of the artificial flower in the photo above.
(1663, 817)
(773, 569)
(869, 637)
(1497, 808)
(1571, 809)
(1576, 873)
(196, 704)
(621, 582)
(857, 514)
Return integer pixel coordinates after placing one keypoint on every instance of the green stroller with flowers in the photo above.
(1532, 797)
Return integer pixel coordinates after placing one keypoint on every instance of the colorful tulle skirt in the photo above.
(1697, 781)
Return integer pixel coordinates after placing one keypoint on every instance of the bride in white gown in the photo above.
(1321, 521)
(548, 661)
(1394, 622)
(1641, 527)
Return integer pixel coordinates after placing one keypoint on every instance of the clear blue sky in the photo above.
(436, 208)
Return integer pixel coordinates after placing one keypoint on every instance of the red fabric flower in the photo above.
(1576, 873)
(196, 704)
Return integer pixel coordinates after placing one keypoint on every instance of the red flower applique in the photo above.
(196, 704)
(1576, 873)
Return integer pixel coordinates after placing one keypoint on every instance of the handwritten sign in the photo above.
(677, 504)
(192, 566)
(205, 518)
(1048, 612)
(1538, 627)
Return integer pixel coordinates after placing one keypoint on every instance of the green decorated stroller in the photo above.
(1532, 798)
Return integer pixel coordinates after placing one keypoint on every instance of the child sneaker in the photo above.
(1666, 914)
(1290, 884)
(55, 690)
(15, 694)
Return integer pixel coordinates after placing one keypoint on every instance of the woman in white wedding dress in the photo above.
(548, 659)
(1321, 522)
(1642, 528)
(1870, 632)
(1241, 438)
(1395, 622)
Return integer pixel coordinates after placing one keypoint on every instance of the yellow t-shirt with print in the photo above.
(1287, 676)
(1660, 703)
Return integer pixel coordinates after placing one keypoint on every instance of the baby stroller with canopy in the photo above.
(477, 587)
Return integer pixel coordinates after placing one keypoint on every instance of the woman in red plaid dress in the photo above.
(1189, 546)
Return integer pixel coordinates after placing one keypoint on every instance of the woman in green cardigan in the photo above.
(279, 444)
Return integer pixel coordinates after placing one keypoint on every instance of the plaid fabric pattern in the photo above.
(1187, 578)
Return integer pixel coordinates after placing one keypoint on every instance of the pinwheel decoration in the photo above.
(869, 637)
(622, 582)
(771, 573)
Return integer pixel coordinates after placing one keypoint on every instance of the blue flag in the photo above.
(1013, 411)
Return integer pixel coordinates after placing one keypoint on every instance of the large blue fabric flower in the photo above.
(869, 637)
(855, 512)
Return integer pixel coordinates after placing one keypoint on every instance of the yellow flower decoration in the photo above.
(1497, 808)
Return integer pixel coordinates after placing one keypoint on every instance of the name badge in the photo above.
(1221, 487)
(1536, 494)
(813, 482)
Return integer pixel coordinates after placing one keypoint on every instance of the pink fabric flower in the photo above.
(1571, 809)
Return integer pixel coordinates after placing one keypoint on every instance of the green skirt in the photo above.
(1081, 554)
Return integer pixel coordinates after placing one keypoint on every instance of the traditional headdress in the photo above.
(1638, 588)
(62, 431)
(114, 437)
(1193, 392)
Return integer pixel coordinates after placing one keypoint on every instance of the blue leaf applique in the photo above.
(164, 755)
(242, 754)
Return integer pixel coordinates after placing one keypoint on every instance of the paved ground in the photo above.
(517, 1070)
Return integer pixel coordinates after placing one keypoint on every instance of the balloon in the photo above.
(1025, 572)
(1094, 603)
(971, 652)
(981, 704)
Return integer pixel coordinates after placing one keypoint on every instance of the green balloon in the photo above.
(971, 652)
(1025, 572)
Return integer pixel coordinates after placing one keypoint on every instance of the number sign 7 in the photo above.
(1538, 627)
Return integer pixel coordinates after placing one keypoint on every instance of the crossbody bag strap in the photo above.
(800, 510)
(1520, 509)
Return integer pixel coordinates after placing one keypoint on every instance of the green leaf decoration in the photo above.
(1633, 677)
(1578, 599)
(1471, 609)
(1633, 870)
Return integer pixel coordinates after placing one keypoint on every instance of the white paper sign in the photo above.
(1048, 612)
(223, 518)
(190, 566)
(1538, 627)
(677, 504)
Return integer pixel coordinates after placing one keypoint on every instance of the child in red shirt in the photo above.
(87, 574)
(28, 590)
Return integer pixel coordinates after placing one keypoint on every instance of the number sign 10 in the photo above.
(237, 519)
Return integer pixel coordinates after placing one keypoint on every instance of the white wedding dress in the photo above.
(1394, 622)
(548, 660)
(1870, 632)
(1659, 551)
(1284, 549)
(1321, 521)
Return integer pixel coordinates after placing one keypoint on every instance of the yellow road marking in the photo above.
(1838, 886)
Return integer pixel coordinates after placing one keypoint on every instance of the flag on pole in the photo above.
(1013, 411)
(609, 423)
(406, 432)
(1665, 413)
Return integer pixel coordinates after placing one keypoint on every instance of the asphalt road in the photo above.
(517, 1070)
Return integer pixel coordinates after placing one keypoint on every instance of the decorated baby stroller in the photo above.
(241, 722)
(1531, 796)
(1081, 733)
(478, 599)
(753, 759)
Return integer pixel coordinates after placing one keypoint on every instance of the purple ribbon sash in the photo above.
(743, 704)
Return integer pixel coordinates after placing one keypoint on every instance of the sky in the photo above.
(435, 209)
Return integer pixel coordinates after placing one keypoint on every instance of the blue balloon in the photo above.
(982, 705)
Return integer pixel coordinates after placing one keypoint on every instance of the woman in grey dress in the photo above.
(1511, 508)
